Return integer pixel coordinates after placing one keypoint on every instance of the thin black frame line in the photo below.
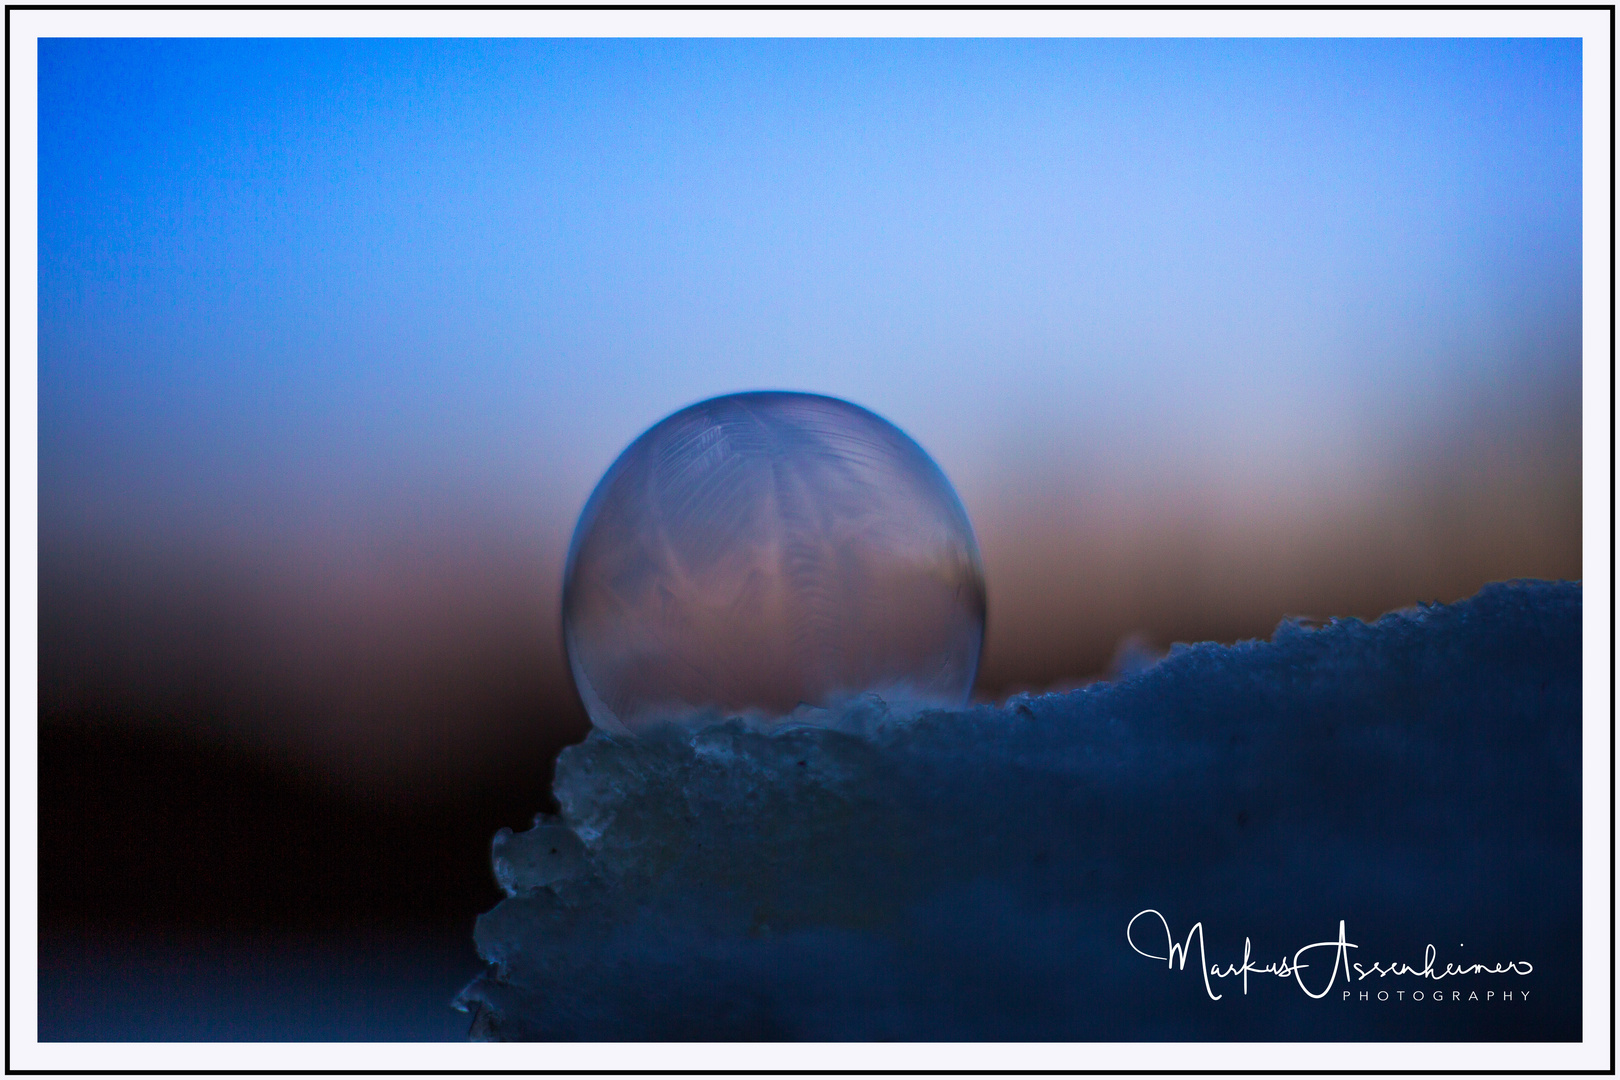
(7, 705)
(1611, 543)
(809, 7)
(813, 1072)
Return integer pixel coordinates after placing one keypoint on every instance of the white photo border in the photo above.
(26, 26)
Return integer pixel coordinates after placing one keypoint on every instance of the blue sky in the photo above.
(1204, 332)
(498, 261)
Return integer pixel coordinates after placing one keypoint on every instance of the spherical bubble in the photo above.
(759, 552)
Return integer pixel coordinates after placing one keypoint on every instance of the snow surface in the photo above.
(970, 875)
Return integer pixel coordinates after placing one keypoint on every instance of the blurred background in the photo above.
(335, 338)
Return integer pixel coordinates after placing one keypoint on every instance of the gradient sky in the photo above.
(325, 297)
(292, 265)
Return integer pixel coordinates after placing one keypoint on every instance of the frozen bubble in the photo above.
(759, 552)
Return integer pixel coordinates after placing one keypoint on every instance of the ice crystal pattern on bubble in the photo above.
(768, 554)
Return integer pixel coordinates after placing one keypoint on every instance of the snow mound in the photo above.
(970, 875)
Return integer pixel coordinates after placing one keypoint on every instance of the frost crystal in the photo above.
(757, 552)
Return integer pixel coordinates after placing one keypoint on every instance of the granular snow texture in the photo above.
(970, 875)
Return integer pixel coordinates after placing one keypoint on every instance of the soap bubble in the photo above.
(757, 553)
